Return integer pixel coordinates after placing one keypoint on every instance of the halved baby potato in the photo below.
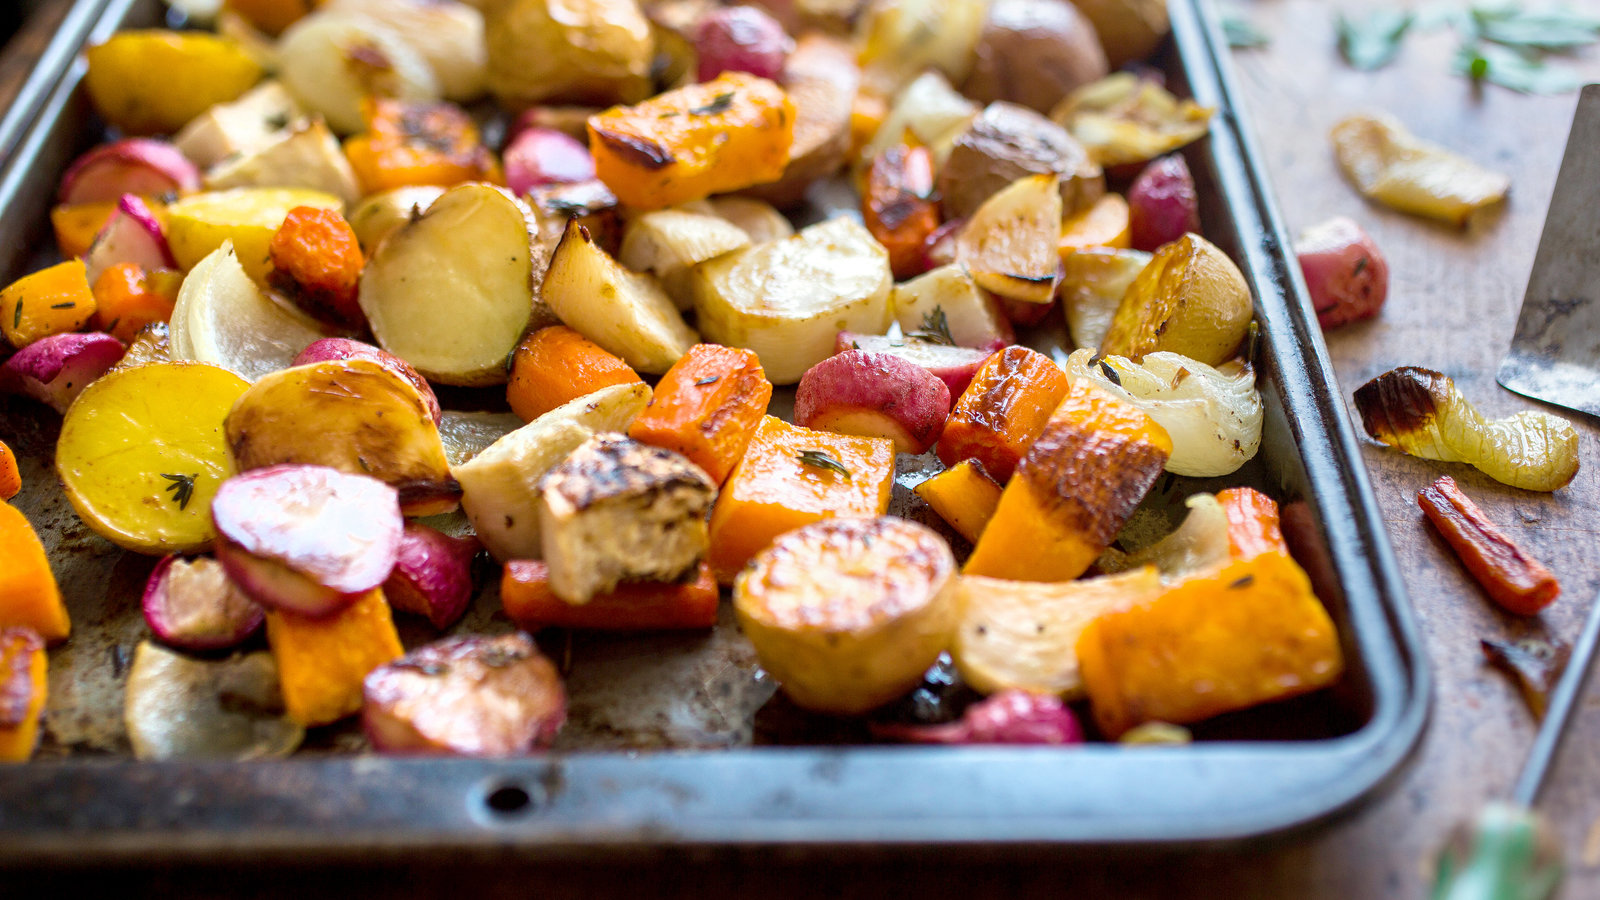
(199, 224)
(1190, 299)
(450, 291)
(379, 214)
(331, 62)
(1010, 244)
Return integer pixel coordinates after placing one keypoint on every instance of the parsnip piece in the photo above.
(668, 242)
(500, 484)
(949, 291)
(931, 110)
(757, 218)
(222, 318)
(450, 292)
(244, 126)
(626, 313)
(787, 300)
(331, 62)
(1010, 244)
(308, 156)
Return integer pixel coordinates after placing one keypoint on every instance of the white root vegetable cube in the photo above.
(244, 126)
(308, 156)
(788, 299)
(617, 510)
(948, 295)
(667, 242)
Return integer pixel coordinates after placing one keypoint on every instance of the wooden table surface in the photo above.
(1453, 302)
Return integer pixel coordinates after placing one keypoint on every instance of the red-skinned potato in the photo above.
(346, 348)
(307, 539)
(541, 156)
(1034, 52)
(952, 365)
(432, 574)
(144, 166)
(1163, 204)
(1345, 272)
(1009, 717)
(191, 605)
(465, 696)
(874, 395)
(741, 39)
(55, 370)
(132, 235)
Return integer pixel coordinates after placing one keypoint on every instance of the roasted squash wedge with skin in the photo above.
(1248, 632)
(792, 476)
(1003, 410)
(730, 133)
(322, 661)
(23, 689)
(29, 596)
(1080, 480)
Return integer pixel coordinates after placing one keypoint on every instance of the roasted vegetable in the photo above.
(1213, 415)
(964, 495)
(1233, 524)
(1392, 166)
(199, 225)
(1128, 29)
(699, 140)
(1023, 635)
(669, 242)
(1009, 717)
(848, 613)
(1246, 633)
(23, 690)
(821, 79)
(10, 475)
(1514, 580)
(556, 365)
(500, 484)
(316, 261)
(1422, 412)
(139, 166)
(127, 298)
(257, 119)
(448, 36)
(354, 415)
(707, 407)
(1533, 664)
(874, 395)
(1105, 224)
(1163, 204)
(900, 39)
(465, 696)
(955, 366)
(222, 317)
(1010, 244)
(132, 77)
(1003, 411)
(190, 604)
(412, 143)
(1345, 273)
(928, 109)
(1092, 463)
(1190, 299)
(791, 476)
(1006, 142)
(432, 574)
(1124, 119)
(617, 510)
(306, 155)
(142, 452)
(333, 64)
(899, 206)
(587, 52)
(786, 300)
(1093, 283)
(1034, 52)
(335, 349)
(322, 661)
(50, 301)
(947, 302)
(541, 156)
(531, 603)
(29, 596)
(176, 707)
(56, 369)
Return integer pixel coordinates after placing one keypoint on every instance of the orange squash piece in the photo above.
(23, 688)
(77, 225)
(1096, 458)
(707, 407)
(321, 662)
(1104, 223)
(557, 364)
(10, 475)
(29, 597)
(964, 496)
(1002, 410)
(634, 606)
(127, 299)
(411, 143)
(1246, 633)
(787, 479)
(50, 301)
(729, 133)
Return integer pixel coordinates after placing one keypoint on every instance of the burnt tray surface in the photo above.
(678, 741)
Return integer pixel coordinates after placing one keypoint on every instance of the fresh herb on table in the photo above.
(1242, 34)
(1371, 42)
(821, 460)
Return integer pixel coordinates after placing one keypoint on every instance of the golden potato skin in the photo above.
(587, 52)
(1191, 299)
(1034, 52)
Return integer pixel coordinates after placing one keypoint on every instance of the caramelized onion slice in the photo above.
(1124, 119)
(1391, 165)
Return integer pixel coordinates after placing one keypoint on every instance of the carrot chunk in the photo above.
(633, 606)
(23, 687)
(127, 298)
(317, 262)
(556, 365)
(1000, 413)
(707, 407)
(322, 662)
(29, 596)
(899, 207)
(1515, 580)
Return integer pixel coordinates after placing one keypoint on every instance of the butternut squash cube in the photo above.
(29, 597)
(730, 133)
(322, 662)
(1002, 410)
(22, 692)
(964, 496)
(792, 476)
(51, 301)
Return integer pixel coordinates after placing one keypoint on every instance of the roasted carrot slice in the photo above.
(29, 597)
(557, 364)
(317, 262)
(1253, 527)
(10, 475)
(127, 298)
(707, 407)
(1001, 412)
(899, 207)
(634, 606)
(1515, 580)
(23, 686)
(322, 662)
(964, 496)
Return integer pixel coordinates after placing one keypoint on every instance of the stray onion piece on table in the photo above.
(1534, 665)
(1516, 581)
(1396, 168)
(1422, 413)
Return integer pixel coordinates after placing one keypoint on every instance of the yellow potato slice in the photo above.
(154, 82)
(198, 225)
(141, 453)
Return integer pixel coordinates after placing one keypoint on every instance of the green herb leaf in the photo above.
(1242, 34)
(710, 379)
(719, 103)
(935, 329)
(821, 460)
(1543, 29)
(277, 121)
(1515, 71)
(67, 305)
(182, 488)
(16, 317)
(1372, 42)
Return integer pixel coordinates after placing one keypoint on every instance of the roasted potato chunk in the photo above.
(1006, 142)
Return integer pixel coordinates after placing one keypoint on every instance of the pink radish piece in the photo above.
(132, 235)
(954, 366)
(56, 369)
(191, 605)
(465, 696)
(1162, 203)
(308, 539)
(432, 575)
(1344, 270)
(741, 39)
(337, 348)
(540, 156)
(874, 395)
(940, 247)
(1009, 717)
(130, 166)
